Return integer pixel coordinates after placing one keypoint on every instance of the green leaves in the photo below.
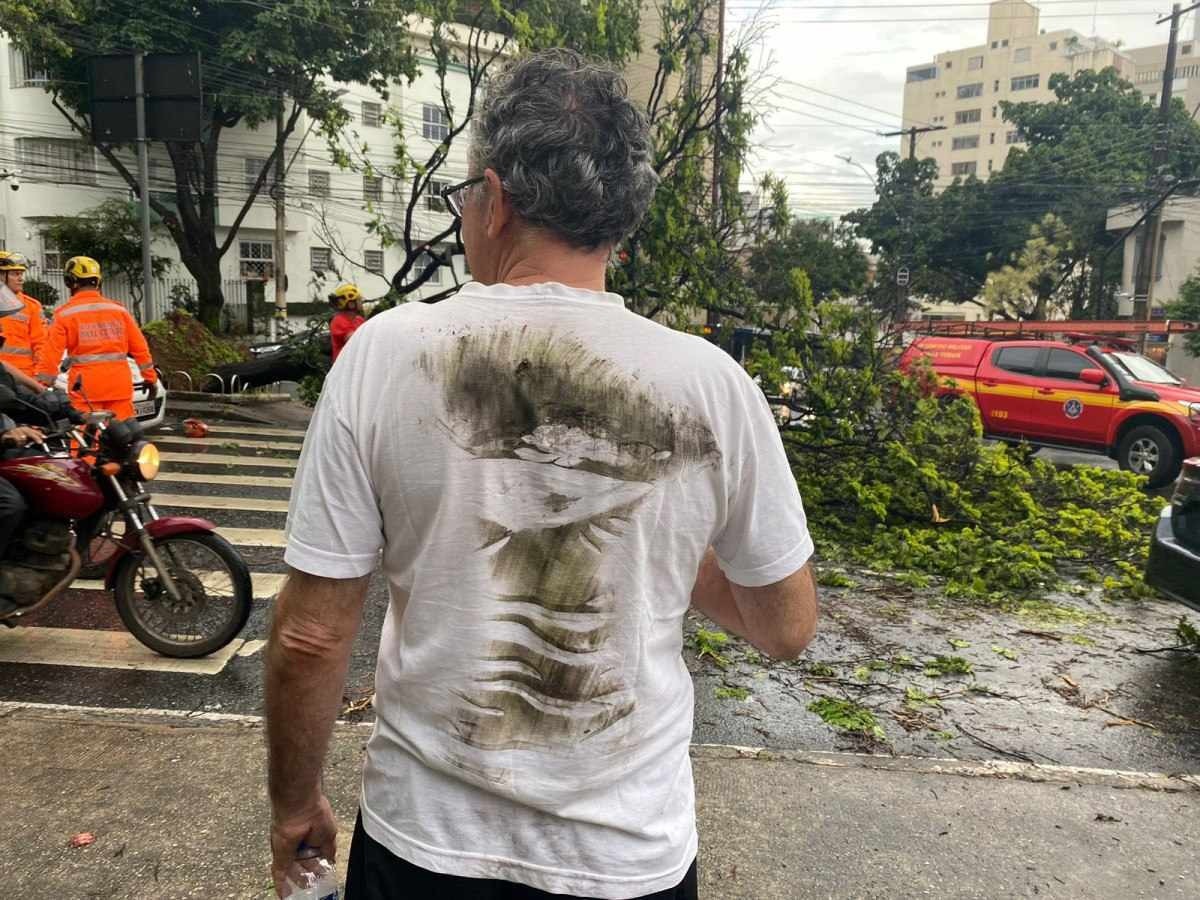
(846, 715)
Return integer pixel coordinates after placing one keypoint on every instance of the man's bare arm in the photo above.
(779, 619)
(312, 633)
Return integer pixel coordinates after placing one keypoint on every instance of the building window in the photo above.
(974, 62)
(1054, 45)
(1022, 54)
(994, 108)
(967, 116)
(949, 64)
(373, 261)
(992, 138)
(255, 260)
(965, 143)
(52, 256)
(23, 72)
(372, 114)
(1186, 50)
(318, 182)
(1004, 43)
(1013, 137)
(926, 73)
(423, 262)
(433, 196)
(435, 124)
(989, 165)
(254, 166)
(966, 91)
(1026, 82)
(995, 44)
(996, 86)
(963, 168)
(373, 188)
(320, 259)
(57, 159)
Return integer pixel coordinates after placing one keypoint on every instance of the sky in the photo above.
(832, 77)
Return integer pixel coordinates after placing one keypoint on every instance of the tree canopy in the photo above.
(1078, 156)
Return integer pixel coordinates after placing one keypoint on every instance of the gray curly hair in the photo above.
(573, 152)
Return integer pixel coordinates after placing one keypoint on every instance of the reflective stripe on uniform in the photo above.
(147, 367)
(95, 358)
(20, 317)
(87, 307)
(16, 351)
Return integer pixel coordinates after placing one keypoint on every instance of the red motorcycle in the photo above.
(180, 588)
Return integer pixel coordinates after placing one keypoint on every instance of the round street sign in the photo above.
(902, 277)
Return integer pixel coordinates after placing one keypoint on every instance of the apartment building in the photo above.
(1150, 62)
(961, 90)
(327, 240)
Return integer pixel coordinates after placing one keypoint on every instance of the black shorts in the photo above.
(378, 874)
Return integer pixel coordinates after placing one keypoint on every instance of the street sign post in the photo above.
(138, 98)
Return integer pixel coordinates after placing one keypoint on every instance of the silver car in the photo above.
(149, 400)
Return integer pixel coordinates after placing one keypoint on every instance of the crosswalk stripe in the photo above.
(95, 649)
(227, 444)
(199, 501)
(255, 430)
(206, 478)
(264, 584)
(239, 537)
(267, 462)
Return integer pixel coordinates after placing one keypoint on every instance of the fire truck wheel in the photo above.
(1147, 450)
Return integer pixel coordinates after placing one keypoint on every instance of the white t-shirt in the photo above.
(542, 471)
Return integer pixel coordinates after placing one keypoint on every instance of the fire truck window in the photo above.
(1067, 365)
(1017, 359)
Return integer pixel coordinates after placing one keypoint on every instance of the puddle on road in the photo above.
(1059, 682)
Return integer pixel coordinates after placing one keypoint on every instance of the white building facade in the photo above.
(53, 172)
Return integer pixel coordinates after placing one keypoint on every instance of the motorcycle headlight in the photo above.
(148, 462)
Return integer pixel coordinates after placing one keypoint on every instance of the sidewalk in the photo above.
(178, 809)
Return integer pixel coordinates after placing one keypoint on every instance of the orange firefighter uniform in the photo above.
(97, 334)
(24, 331)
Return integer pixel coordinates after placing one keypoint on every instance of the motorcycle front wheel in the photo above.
(214, 602)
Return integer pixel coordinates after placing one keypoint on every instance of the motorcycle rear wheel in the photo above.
(215, 603)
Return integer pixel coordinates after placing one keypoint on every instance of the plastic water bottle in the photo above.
(320, 884)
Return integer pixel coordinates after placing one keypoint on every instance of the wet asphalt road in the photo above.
(1057, 682)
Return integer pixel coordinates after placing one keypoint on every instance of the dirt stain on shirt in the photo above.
(583, 444)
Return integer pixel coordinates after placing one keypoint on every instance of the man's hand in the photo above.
(316, 828)
(21, 435)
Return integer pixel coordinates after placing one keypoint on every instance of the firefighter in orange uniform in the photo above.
(24, 332)
(97, 334)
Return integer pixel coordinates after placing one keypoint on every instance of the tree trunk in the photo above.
(210, 299)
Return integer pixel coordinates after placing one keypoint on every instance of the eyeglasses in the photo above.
(456, 195)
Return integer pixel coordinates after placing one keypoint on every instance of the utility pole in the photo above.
(720, 82)
(143, 152)
(280, 313)
(903, 274)
(912, 136)
(1152, 233)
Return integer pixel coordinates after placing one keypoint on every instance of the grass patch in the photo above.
(941, 666)
(710, 644)
(846, 715)
(1044, 612)
(836, 580)
(725, 692)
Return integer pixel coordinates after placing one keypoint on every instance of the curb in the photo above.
(1161, 782)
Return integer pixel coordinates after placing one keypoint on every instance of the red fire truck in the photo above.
(1075, 385)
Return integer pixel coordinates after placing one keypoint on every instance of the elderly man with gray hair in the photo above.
(550, 483)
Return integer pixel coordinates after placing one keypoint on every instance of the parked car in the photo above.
(1174, 564)
(1092, 395)
(149, 400)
